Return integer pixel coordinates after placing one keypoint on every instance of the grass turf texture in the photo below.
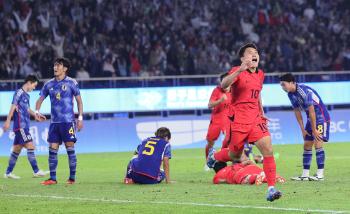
(99, 187)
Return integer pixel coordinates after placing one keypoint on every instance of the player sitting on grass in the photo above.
(144, 168)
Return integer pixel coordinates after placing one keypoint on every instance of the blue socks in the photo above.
(307, 158)
(72, 160)
(53, 163)
(12, 162)
(32, 160)
(320, 157)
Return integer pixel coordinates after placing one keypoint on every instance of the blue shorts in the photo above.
(62, 132)
(22, 136)
(323, 128)
(143, 179)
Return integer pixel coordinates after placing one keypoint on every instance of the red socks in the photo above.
(270, 170)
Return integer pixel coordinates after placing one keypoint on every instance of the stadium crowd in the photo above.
(168, 37)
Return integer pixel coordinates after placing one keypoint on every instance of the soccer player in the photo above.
(249, 123)
(316, 131)
(144, 168)
(62, 89)
(20, 111)
(219, 103)
(245, 172)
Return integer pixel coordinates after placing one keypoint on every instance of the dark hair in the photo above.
(31, 78)
(163, 132)
(247, 45)
(287, 77)
(222, 76)
(219, 165)
(63, 61)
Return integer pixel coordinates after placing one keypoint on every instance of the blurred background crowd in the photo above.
(108, 38)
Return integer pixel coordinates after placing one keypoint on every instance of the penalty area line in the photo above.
(118, 201)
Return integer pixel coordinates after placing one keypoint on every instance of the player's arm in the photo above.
(227, 81)
(299, 118)
(9, 117)
(38, 117)
(38, 104)
(312, 116)
(166, 169)
(261, 107)
(212, 104)
(80, 111)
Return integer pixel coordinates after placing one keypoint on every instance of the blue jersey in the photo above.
(305, 96)
(150, 156)
(61, 96)
(21, 116)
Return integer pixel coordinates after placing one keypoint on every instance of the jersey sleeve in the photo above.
(167, 151)
(293, 101)
(16, 97)
(308, 99)
(215, 95)
(75, 88)
(44, 91)
(233, 70)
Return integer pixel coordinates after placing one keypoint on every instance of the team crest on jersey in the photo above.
(64, 88)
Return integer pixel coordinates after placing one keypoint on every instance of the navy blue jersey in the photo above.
(61, 96)
(304, 97)
(150, 156)
(21, 116)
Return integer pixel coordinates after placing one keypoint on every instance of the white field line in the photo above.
(117, 201)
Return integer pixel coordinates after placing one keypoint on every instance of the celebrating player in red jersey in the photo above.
(219, 102)
(249, 123)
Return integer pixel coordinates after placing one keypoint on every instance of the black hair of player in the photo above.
(31, 78)
(287, 78)
(222, 76)
(163, 132)
(63, 61)
(219, 165)
(247, 45)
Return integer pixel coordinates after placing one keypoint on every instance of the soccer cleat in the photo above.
(316, 178)
(302, 178)
(11, 176)
(273, 194)
(210, 159)
(280, 179)
(48, 182)
(40, 174)
(260, 179)
(128, 181)
(70, 181)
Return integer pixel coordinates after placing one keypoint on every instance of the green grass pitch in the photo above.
(99, 187)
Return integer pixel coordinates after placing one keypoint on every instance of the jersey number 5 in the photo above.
(149, 145)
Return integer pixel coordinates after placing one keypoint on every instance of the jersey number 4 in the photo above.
(149, 148)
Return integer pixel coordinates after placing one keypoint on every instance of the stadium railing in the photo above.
(182, 80)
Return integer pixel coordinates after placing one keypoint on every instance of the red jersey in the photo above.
(220, 111)
(246, 88)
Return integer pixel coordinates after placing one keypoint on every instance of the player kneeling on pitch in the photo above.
(145, 167)
(245, 172)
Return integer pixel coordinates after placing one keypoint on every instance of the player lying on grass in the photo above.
(245, 172)
(144, 167)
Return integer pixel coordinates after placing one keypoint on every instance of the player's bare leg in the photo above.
(269, 166)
